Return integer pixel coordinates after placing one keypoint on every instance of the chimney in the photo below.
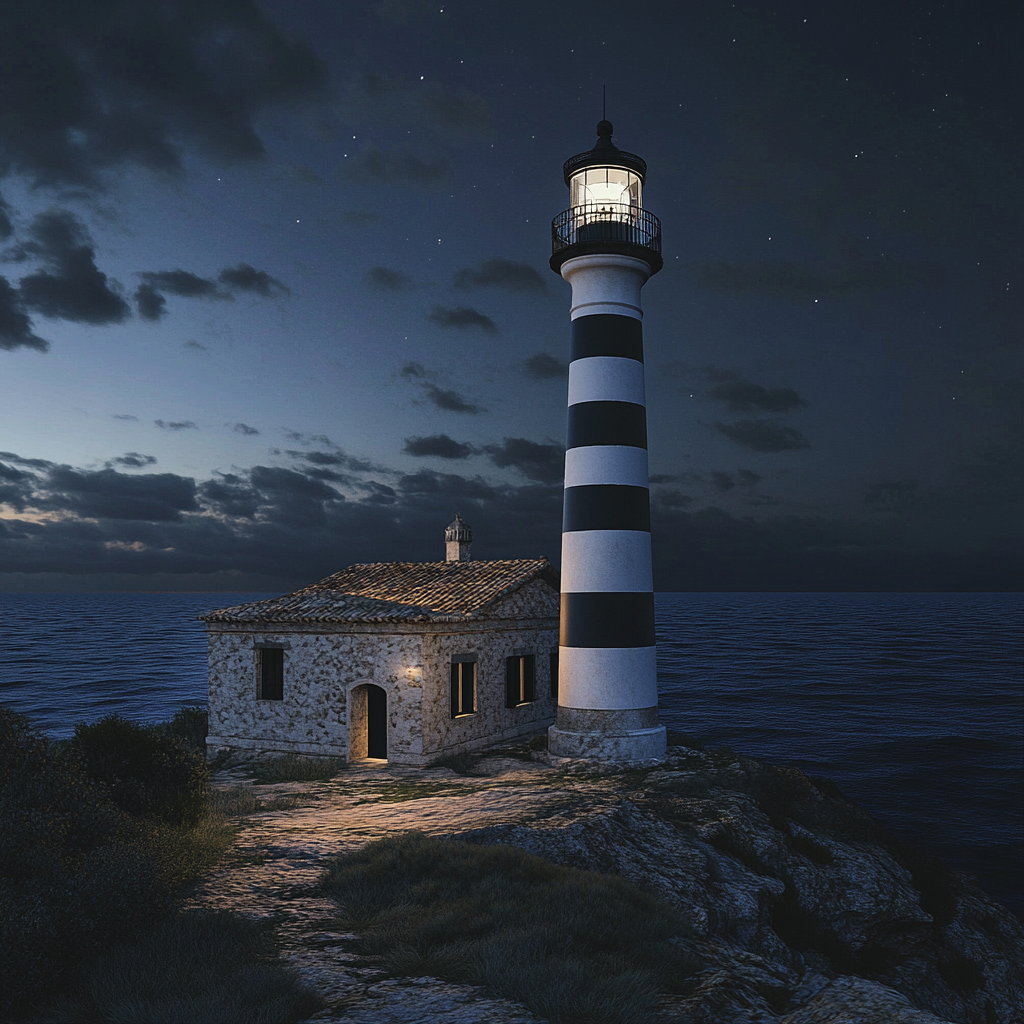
(457, 540)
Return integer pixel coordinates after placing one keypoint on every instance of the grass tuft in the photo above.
(574, 946)
(296, 768)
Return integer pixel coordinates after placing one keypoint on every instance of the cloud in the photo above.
(150, 303)
(893, 496)
(108, 494)
(462, 318)
(72, 287)
(769, 435)
(662, 478)
(15, 325)
(544, 367)
(88, 88)
(195, 346)
(743, 396)
(244, 428)
(722, 481)
(381, 279)
(414, 370)
(513, 277)
(245, 278)
(127, 417)
(793, 281)
(396, 167)
(6, 227)
(451, 401)
(176, 425)
(133, 460)
(726, 482)
(181, 282)
(747, 478)
(542, 462)
(439, 446)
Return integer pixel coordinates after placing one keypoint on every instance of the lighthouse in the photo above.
(606, 245)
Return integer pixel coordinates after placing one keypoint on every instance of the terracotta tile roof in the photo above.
(397, 592)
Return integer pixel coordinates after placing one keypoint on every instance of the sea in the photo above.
(912, 703)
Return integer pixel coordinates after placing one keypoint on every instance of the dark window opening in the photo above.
(271, 672)
(520, 680)
(553, 663)
(463, 688)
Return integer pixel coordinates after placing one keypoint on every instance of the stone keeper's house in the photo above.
(407, 661)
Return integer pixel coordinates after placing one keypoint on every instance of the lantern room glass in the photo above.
(612, 191)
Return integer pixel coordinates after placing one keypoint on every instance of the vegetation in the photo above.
(574, 946)
(98, 837)
(296, 768)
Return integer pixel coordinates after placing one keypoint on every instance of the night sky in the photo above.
(274, 294)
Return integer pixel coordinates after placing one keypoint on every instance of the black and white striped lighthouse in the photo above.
(606, 245)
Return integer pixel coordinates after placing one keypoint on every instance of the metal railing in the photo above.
(606, 222)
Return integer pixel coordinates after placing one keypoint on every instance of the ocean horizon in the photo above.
(912, 703)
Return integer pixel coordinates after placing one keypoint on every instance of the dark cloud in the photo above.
(150, 303)
(743, 396)
(94, 86)
(747, 478)
(126, 417)
(415, 370)
(381, 279)
(15, 325)
(544, 367)
(229, 494)
(108, 494)
(449, 400)
(662, 478)
(513, 277)
(373, 166)
(544, 463)
(764, 435)
(330, 455)
(721, 481)
(176, 425)
(724, 482)
(6, 227)
(244, 278)
(670, 498)
(893, 496)
(133, 460)
(195, 346)
(438, 445)
(72, 287)
(244, 428)
(793, 281)
(181, 282)
(462, 318)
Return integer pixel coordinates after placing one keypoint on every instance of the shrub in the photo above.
(296, 768)
(189, 727)
(195, 968)
(145, 771)
(573, 946)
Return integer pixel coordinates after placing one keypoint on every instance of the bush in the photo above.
(195, 968)
(189, 727)
(573, 946)
(296, 768)
(143, 768)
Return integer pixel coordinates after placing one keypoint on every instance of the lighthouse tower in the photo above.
(606, 245)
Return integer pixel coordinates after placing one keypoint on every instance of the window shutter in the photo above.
(529, 678)
(455, 689)
(511, 682)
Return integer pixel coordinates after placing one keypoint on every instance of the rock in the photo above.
(802, 909)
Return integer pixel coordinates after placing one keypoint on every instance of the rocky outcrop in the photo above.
(800, 904)
(801, 908)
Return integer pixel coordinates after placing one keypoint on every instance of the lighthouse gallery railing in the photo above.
(605, 222)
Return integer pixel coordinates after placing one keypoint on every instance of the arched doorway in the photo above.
(367, 722)
(376, 722)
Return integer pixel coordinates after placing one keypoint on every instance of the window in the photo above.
(463, 688)
(520, 676)
(553, 663)
(270, 667)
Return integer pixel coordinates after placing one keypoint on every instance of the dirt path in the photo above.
(273, 869)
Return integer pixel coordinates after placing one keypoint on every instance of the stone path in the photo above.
(274, 867)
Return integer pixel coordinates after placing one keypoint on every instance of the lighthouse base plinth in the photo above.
(627, 734)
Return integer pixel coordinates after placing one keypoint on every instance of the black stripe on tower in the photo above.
(606, 334)
(607, 620)
(606, 423)
(606, 507)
